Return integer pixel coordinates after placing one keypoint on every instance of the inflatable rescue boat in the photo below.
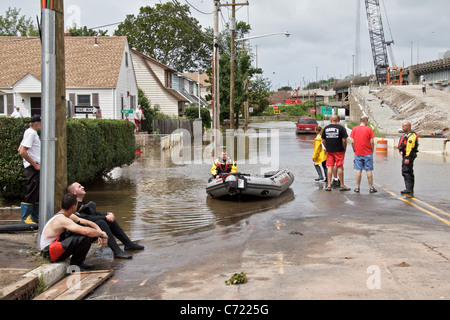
(272, 184)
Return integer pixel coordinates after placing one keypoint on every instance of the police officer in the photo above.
(408, 147)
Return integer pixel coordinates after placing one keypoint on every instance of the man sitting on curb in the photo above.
(106, 221)
(66, 235)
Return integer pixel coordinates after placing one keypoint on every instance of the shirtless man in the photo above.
(66, 235)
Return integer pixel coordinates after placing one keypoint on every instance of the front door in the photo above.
(35, 105)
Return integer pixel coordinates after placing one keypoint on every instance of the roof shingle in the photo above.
(87, 65)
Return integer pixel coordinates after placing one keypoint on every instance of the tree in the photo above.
(14, 25)
(169, 34)
(85, 32)
(259, 91)
(244, 71)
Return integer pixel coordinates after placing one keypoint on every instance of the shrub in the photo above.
(94, 147)
(192, 113)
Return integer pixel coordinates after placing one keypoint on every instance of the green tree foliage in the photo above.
(12, 24)
(244, 71)
(259, 91)
(85, 32)
(169, 34)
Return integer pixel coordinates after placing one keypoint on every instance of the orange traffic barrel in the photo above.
(382, 146)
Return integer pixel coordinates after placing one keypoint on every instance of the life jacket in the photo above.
(224, 166)
(403, 142)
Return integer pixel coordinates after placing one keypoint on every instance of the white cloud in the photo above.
(322, 31)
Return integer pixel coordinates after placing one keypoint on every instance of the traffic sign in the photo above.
(84, 109)
(127, 111)
(313, 110)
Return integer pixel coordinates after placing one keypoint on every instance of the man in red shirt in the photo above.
(363, 146)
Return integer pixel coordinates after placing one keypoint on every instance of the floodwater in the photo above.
(155, 197)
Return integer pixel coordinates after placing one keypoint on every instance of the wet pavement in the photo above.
(306, 244)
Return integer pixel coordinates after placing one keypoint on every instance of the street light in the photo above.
(232, 72)
(287, 34)
(418, 44)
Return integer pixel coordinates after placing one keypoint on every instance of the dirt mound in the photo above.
(428, 114)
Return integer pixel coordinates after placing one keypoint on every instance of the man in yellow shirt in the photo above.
(408, 147)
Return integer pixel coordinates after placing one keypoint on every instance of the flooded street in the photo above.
(164, 206)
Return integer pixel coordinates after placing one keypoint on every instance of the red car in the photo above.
(306, 125)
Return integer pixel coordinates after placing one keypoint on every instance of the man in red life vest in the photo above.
(408, 147)
(223, 164)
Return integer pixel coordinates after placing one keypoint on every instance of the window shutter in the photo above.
(95, 100)
(9, 103)
(72, 99)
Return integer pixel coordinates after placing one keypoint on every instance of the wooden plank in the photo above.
(20, 290)
(76, 286)
(59, 288)
(88, 284)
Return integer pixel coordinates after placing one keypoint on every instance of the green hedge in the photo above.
(192, 113)
(94, 147)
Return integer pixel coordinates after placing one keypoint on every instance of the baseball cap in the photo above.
(35, 118)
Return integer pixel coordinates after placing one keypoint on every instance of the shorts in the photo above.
(363, 162)
(137, 122)
(335, 159)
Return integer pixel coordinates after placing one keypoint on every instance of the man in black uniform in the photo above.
(408, 147)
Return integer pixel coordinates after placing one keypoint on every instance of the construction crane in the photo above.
(377, 41)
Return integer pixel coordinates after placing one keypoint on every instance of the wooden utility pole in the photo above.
(60, 106)
(216, 91)
(232, 63)
(233, 57)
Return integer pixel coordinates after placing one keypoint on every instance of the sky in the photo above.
(322, 41)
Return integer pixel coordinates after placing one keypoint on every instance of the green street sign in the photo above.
(127, 111)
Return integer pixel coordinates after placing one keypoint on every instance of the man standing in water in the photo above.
(335, 140)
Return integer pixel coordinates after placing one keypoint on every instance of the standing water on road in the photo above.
(156, 197)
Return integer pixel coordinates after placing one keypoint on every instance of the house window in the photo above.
(126, 59)
(168, 79)
(84, 100)
(2, 104)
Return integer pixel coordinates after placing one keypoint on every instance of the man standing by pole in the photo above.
(30, 151)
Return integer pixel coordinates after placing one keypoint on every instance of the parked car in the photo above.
(306, 125)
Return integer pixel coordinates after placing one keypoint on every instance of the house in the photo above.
(190, 87)
(99, 73)
(159, 83)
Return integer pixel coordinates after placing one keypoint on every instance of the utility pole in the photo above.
(60, 106)
(232, 63)
(53, 97)
(233, 57)
(216, 100)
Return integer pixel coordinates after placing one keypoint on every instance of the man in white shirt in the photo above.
(16, 113)
(30, 151)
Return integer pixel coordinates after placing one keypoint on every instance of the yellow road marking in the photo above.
(420, 208)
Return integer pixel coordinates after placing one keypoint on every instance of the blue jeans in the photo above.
(363, 162)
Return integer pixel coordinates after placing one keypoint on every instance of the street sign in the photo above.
(326, 110)
(88, 110)
(313, 110)
(127, 111)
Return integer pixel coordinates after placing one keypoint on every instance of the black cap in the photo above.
(35, 118)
